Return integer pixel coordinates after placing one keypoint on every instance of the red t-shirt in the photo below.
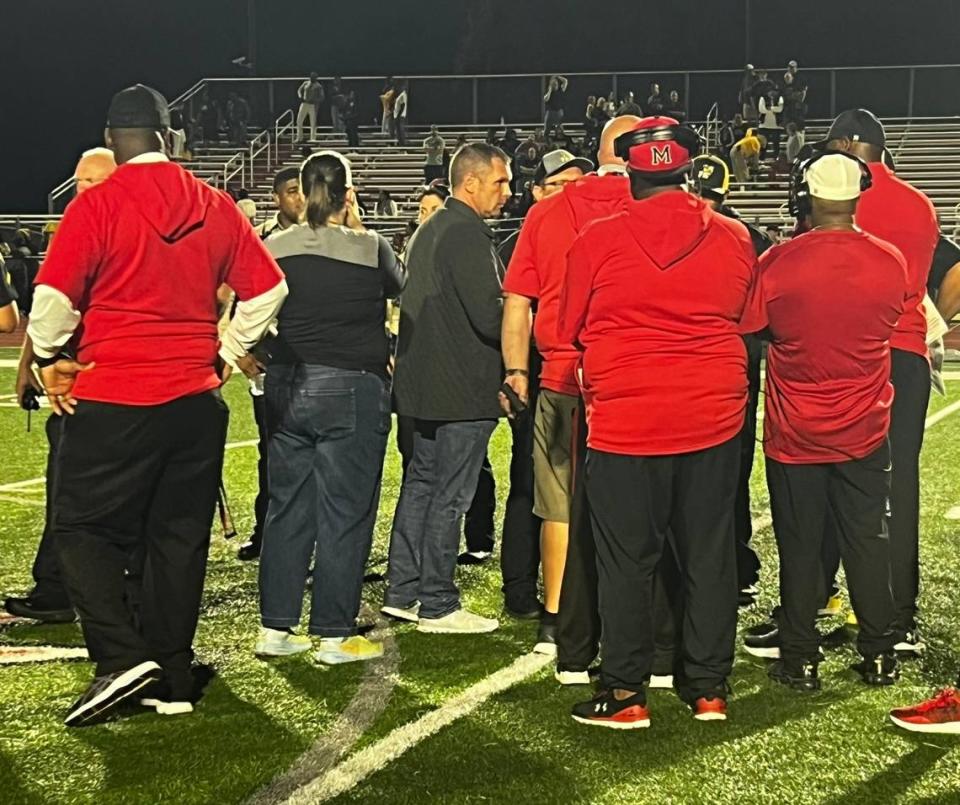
(539, 265)
(141, 257)
(655, 296)
(832, 299)
(894, 211)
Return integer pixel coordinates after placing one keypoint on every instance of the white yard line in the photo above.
(20, 655)
(942, 414)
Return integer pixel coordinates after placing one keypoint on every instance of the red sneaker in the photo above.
(710, 708)
(605, 710)
(939, 714)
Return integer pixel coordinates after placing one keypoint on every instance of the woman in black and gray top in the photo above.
(328, 403)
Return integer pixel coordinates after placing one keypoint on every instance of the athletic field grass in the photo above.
(259, 718)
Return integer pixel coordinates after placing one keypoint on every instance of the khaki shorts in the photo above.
(552, 449)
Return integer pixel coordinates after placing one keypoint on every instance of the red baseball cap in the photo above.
(653, 146)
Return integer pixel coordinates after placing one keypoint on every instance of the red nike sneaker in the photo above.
(939, 714)
(710, 708)
(605, 710)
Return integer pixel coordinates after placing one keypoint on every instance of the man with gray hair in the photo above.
(446, 379)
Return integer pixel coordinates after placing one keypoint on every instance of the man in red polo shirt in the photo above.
(899, 214)
(827, 415)
(536, 274)
(133, 275)
(655, 297)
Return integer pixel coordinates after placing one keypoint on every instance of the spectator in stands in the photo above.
(176, 138)
(655, 103)
(745, 98)
(311, 95)
(675, 107)
(510, 142)
(527, 162)
(447, 376)
(589, 119)
(349, 116)
(400, 108)
(330, 356)
(630, 106)
(745, 156)
(387, 96)
(238, 117)
(560, 139)
(434, 146)
(770, 108)
(794, 104)
(338, 102)
(209, 118)
(385, 207)
(795, 142)
(553, 102)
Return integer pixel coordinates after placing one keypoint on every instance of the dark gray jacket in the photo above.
(448, 358)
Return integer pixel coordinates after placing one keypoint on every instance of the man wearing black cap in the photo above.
(899, 214)
(134, 271)
(659, 292)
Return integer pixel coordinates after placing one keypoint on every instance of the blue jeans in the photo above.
(328, 435)
(436, 493)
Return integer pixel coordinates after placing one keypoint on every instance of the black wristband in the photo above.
(42, 363)
(512, 372)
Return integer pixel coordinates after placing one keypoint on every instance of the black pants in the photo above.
(520, 545)
(263, 489)
(855, 493)
(578, 621)
(478, 524)
(911, 380)
(146, 478)
(49, 589)
(641, 507)
(353, 135)
(773, 142)
(748, 563)
(400, 127)
(431, 172)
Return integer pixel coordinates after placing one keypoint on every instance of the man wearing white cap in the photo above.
(832, 298)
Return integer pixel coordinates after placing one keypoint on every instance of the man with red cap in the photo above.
(656, 297)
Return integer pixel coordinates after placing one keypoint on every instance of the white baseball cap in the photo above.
(834, 177)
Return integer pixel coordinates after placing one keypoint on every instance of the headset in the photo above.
(799, 198)
(685, 136)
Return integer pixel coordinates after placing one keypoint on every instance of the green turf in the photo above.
(259, 716)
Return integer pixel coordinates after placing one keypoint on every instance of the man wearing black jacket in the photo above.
(447, 375)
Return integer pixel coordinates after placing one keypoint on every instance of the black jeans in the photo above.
(49, 589)
(263, 479)
(478, 524)
(641, 507)
(855, 494)
(139, 479)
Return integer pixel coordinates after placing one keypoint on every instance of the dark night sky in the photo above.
(61, 60)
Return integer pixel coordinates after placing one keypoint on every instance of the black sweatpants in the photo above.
(263, 479)
(578, 621)
(748, 563)
(139, 477)
(642, 506)
(49, 589)
(479, 527)
(855, 494)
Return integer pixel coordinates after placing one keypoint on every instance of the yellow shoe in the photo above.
(852, 619)
(833, 607)
(338, 650)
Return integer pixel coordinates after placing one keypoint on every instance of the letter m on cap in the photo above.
(662, 155)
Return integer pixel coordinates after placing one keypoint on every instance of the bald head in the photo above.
(613, 129)
(94, 167)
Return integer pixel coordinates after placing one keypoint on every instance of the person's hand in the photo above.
(58, 379)
(25, 379)
(521, 386)
(353, 219)
(225, 373)
(250, 366)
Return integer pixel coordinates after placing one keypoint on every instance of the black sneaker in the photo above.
(108, 691)
(547, 637)
(605, 710)
(162, 697)
(473, 557)
(763, 640)
(250, 550)
(912, 643)
(747, 596)
(799, 675)
(524, 611)
(40, 610)
(880, 669)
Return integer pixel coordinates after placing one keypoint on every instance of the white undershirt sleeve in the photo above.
(250, 322)
(53, 320)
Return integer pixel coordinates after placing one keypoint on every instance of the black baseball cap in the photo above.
(138, 107)
(859, 125)
(710, 176)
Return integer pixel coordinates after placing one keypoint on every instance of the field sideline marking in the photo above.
(942, 414)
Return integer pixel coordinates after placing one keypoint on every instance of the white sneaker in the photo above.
(458, 622)
(661, 681)
(572, 677)
(280, 643)
(411, 614)
(338, 650)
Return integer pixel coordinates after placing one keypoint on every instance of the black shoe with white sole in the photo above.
(796, 674)
(40, 610)
(547, 638)
(763, 640)
(108, 691)
(911, 643)
(879, 669)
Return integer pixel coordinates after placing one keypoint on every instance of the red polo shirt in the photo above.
(894, 211)
(539, 265)
(141, 256)
(832, 299)
(655, 296)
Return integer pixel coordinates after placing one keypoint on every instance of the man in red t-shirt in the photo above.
(132, 278)
(655, 297)
(832, 298)
(899, 214)
(535, 275)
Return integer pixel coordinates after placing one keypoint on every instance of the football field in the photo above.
(456, 719)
